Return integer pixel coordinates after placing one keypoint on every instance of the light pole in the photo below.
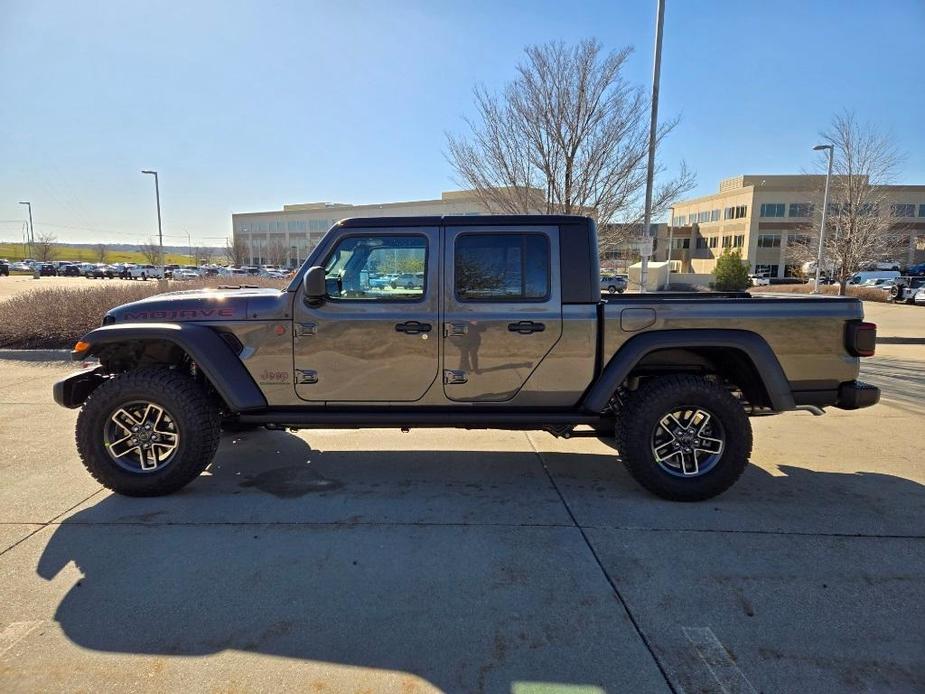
(653, 133)
(31, 230)
(670, 229)
(160, 234)
(825, 209)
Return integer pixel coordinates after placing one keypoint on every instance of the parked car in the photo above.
(46, 270)
(21, 266)
(915, 270)
(904, 289)
(408, 280)
(614, 284)
(121, 270)
(4, 268)
(515, 340)
(883, 265)
(919, 298)
(760, 280)
(145, 272)
(183, 275)
(864, 276)
(69, 270)
(100, 271)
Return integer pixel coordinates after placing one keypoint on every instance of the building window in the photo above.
(701, 242)
(772, 209)
(799, 240)
(736, 241)
(902, 210)
(921, 210)
(801, 209)
(679, 221)
(766, 270)
(502, 267)
(768, 240)
(681, 243)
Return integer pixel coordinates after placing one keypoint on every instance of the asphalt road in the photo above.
(463, 562)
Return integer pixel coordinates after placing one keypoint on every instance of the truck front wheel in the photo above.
(147, 432)
(684, 438)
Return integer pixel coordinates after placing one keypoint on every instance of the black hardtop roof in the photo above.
(465, 220)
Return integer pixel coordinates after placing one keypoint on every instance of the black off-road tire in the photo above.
(194, 412)
(657, 397)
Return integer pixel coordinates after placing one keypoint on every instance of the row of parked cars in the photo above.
(141, 271)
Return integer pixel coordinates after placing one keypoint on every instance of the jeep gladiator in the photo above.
(506, 329)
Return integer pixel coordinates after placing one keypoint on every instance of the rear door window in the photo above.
(502, 267)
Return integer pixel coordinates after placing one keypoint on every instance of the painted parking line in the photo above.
(14, 633)
(724, 670)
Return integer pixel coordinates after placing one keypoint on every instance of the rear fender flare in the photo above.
(632, 352)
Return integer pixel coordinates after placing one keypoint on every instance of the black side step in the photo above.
(316, 419)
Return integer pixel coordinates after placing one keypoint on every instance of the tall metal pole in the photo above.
(653, 132)
(670, 229)
(31, 229)
(160, 233)
(825, 209)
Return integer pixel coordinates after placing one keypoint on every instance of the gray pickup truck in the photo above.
(506, 329)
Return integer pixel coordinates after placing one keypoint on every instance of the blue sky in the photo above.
(247, 106)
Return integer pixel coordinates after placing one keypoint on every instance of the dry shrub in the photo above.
(863, 293)
(58, 316)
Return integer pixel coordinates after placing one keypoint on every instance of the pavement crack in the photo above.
(600, 565)
(45, 524)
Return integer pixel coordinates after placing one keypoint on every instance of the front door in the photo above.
(503, 308)
(375, 336)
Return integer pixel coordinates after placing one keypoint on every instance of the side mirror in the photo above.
(314, 285)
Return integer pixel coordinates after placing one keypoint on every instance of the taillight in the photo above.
(861, 338)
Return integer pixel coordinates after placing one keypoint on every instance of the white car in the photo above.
(919, 297)
(184, 275)
(145, 272)
(759, 280)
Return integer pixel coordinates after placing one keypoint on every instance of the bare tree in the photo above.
(46, 247)
(277, 253)
(99, 252)
(151, 252)
(237, 251)
(860, 226)
(568, 135)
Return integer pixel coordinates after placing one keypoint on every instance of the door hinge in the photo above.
(455, 328)
(454, 377)
(303, 329)
(306, 376)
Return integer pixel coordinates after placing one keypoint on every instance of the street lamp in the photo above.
(31, 230)
(160, 234)
(825, 209)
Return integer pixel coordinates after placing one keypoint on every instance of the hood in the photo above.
(204, 305)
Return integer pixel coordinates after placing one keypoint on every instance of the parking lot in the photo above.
(468, 561)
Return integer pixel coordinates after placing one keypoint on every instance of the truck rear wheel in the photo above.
(147, 432)
(684, 438)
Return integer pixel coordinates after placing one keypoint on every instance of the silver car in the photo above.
(613, 284)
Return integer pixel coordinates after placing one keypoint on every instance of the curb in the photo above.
(36, 354)
(901, 340)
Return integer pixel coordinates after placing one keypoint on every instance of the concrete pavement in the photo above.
(464, 561)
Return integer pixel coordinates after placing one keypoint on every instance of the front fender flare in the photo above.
(629, 355)
(213, 356)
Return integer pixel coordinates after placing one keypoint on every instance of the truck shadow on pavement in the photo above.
(460, 567)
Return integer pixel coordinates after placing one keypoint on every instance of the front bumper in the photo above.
(853, 395)
(71, 391)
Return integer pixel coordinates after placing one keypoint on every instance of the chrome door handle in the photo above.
(525, 327)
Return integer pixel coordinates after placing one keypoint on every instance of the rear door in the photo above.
(502, 308)
(373, 339)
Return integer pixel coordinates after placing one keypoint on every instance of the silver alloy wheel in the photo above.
(141, 436)
(688, 442)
